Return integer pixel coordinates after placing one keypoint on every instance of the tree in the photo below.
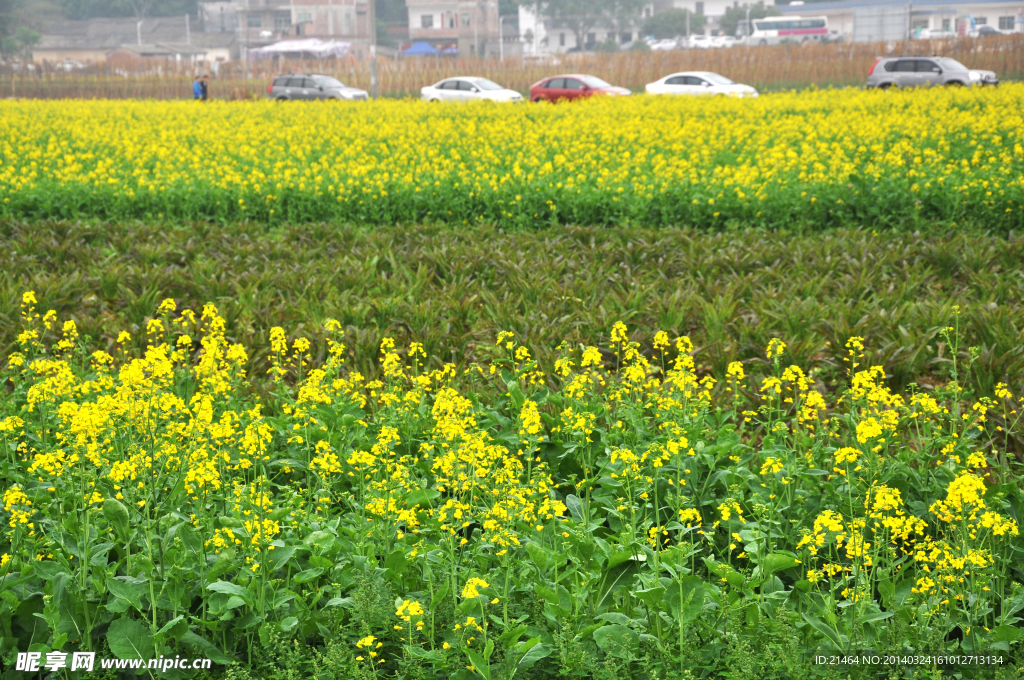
(21, 42)
(581, 16)
(734, 15)
(672, 23)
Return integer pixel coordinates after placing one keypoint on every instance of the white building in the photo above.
(877, 20)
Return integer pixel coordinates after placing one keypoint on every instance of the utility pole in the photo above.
(188, 32)
(501, 40)
(371, 18)
(243, 31)
(749, 28)
(138, 31)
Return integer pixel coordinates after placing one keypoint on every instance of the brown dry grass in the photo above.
(767, 68)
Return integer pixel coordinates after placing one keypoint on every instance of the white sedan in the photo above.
(663, 45)
(698, 83)
(468, 89)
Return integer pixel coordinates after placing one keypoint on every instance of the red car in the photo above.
(572, 86)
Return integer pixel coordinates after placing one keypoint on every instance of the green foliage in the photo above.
(21, 42)
(451, 289)
(672, 23)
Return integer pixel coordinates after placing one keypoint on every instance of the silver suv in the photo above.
(925, 71)
(308, 86)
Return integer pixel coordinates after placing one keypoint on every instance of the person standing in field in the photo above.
(206, 87)
(197, 88)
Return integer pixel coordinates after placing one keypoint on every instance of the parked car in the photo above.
(935, 34)
(573, 86)
(985, 31)
(699, 83)
(925, 71)
(699, 41)
(663, 45)
(310, 86)
(723, 41)
(465, 89)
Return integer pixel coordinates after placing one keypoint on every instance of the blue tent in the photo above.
(421, 47)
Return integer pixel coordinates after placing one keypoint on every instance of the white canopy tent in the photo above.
(310, 48)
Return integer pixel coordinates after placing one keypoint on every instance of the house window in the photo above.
(591, 39)
(426, 21)
(305, 17)
(945, 24)
(561, 39)
(253, 21)
(980, 21)
(625, 37)
(1005, 23)
(450, 19)
(700, 8)
(282, 21)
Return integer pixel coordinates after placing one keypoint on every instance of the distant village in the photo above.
(239, 30)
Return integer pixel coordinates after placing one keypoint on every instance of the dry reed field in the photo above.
(766, 68)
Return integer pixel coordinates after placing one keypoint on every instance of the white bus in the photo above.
(774, 30)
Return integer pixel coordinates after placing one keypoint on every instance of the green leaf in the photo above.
(321, 539)
(206, 648)
(735, 579)
(686, 599)
(532, 652)
(423, 497)
(778, 562)
(1009, 634)
(824, 630)
(575, 506)
(479, 665)
(116, 515)
(307, 575)
(439, 596)
(614, 579)
(225, 563)
(129, 639)
(548, 594)
(652, 597)
(231, 589)
(872, 616)
(128, 592)
(279, 557)
(429, 654)
(173, 629)
(617, 640)
(289, 624)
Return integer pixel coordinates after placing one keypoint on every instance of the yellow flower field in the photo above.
(821, 157)
(615, 514)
